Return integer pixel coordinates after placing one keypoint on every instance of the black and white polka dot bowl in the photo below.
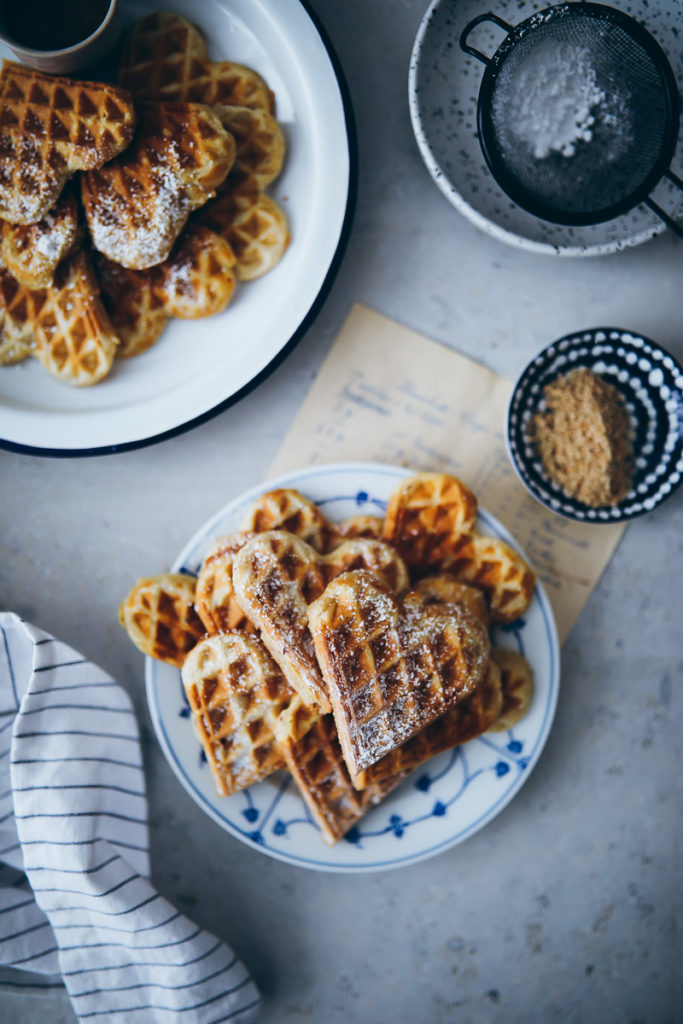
(651, 382)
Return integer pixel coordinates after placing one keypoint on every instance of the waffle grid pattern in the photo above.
(428, 518)
(137, 204)
(165, 56)
(50, 128)
(65, 326)
(215, 598)
(391, 669)
(236, 693)
(503, 575)
(314, 758)
(158, 615)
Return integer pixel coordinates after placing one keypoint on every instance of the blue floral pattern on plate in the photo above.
(444, 801)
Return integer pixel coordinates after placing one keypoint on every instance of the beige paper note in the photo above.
(388, 394)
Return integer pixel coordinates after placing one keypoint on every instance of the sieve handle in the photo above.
(659, 212)
(490, 16)
(669, 221)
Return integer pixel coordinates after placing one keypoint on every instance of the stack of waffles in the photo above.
(122, 206)
(347, 653)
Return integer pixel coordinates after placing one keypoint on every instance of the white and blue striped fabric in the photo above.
(76, 905)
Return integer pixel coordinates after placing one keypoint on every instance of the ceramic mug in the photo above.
(81, 53)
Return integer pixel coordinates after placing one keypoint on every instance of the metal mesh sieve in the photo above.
(630, 113)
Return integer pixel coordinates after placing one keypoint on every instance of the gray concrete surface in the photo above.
(564, 908)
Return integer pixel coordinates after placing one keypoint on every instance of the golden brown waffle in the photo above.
(165, 57)
(32, 252)
(383, 561)
(276, 576)
(446, 589)
(159, 616)
(518, 687)
(369, 527)
(137, 310)
(428, 517)
(137, 205)
(391, 667)
(311, 749)
(254, 225)
(50, 128)
(260, 147)
(236, 691)
(64, 326)
(215, 599)
(502, 573)
(17, 339)
(283, 509)
(196, 280)
(471, 717)
(288, 509)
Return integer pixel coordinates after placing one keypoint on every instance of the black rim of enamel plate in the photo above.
(309, 318)
(648, 377)
(495, 161)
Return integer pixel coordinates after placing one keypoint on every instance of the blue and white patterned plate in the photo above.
(651, 382)
(444, 801)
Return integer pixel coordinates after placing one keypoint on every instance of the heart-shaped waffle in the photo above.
(32, 252)
(470, 717)
(65, 326)
(444, 589)
(236, 692)
(260, 147)
(283, 509)
(196, 280)
(158, 615)
(391, 667)
(428, 517)
(518, 687)
(137, 205)
(135, 307)
(290, 510)
(254, 225)
(165, 57)
(50, 128)
(505, 578)
(360, 526)
(311, 749)
(277, 575)
(215, 599)
(17, 314)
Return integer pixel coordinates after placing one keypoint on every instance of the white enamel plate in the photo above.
(444, 801)
(198, 367)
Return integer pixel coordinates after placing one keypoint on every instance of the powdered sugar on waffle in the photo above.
(54, 236)
(149, 240)
(392, 668)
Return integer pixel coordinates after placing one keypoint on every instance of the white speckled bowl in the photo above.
(651, 382)
(443, 93)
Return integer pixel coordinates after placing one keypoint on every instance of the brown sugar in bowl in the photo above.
(650, 385)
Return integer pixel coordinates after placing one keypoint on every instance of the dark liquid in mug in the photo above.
(51, 24)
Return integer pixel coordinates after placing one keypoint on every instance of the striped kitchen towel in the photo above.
(76, 904)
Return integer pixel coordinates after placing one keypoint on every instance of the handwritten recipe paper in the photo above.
(388, 394)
